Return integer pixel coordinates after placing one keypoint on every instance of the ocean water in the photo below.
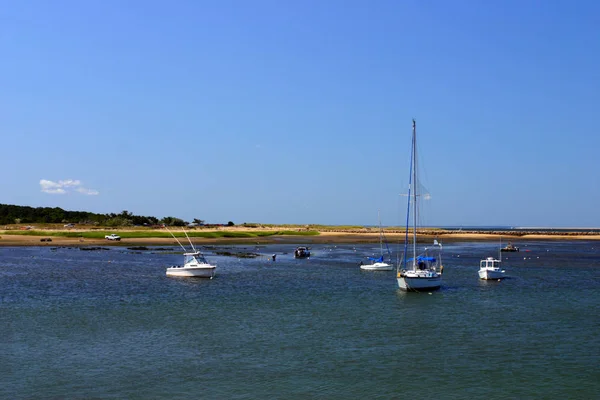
(111, 325)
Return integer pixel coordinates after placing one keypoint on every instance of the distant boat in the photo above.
(509, 247)
(422, 271)
(302, 252)
(377, 264)
(194, 263)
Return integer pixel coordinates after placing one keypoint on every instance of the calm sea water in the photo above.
(110, 324)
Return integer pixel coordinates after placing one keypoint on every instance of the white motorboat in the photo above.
(378, 264)
(489, 269)
(194, 263)
(422, 272)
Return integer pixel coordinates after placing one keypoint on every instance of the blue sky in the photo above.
(300, 112)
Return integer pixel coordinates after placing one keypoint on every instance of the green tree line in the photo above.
(11, 214)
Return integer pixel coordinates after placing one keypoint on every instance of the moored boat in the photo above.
(378, 264)
(194, 263)
(302, 252)
(422, 272)
(509, 247)
(489, 269)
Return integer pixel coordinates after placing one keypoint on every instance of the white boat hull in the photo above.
(491, 274)
(419, 281)
(379, 266)
(207, 271)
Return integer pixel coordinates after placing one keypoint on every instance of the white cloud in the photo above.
(69, 183)
(61, 187)
(89, 192)
(54, 191)
(50, 187)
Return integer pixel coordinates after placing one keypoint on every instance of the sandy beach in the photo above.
(367, 235)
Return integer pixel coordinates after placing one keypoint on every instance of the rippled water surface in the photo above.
(110, 324)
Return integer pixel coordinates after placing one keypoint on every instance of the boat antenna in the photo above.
(165, 226)
(188, 238)
(500, 249)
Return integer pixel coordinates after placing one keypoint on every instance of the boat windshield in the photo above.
(198, 258)
(490, 263)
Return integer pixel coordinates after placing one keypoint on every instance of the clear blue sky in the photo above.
(300, 112)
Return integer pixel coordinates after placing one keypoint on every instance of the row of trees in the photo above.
(11, 214)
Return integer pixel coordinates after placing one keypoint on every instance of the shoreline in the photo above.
(324, 237)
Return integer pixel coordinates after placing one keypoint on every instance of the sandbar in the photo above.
(367, 235)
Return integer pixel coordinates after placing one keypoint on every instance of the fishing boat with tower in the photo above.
(194, 263)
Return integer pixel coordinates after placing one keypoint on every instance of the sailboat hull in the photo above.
(419, 283)
(379, 266)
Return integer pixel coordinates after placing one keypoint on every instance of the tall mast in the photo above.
(410, 188)
(414, 171)
(380, 233)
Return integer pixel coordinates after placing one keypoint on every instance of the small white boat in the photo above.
(377, 264)
(489, 269)
(194, 263)
(422, 272)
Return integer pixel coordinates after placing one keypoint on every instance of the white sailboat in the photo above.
(377, 264)
(194, 263)
(489, 269)
(422, 272)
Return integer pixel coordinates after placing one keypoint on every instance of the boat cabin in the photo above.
(489, 262)
(194, 258)
(423, 262)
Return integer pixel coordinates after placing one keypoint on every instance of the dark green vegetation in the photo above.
(163, 234)
(12, 214)
(237, 254)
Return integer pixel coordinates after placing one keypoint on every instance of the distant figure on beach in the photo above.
(274, 255)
